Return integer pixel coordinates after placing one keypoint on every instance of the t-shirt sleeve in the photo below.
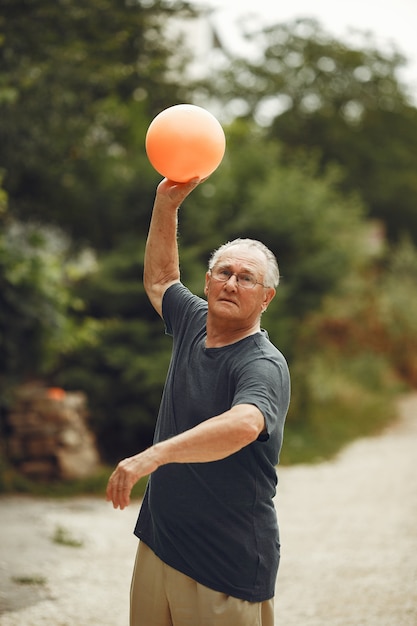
(179, 305)
(265, 383)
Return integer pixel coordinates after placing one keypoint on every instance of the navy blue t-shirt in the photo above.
(216, 521)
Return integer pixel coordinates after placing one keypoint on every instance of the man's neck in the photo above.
(217, 337)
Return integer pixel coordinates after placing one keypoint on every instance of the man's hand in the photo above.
(127, 474)
(175, 193)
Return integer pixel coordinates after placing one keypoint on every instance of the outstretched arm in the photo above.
(212, 440)
(161, 267)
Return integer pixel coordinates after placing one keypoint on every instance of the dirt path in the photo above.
(348, 529)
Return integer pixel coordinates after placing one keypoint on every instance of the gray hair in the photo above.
(271, 277)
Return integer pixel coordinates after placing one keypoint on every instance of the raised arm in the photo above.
(161, 267)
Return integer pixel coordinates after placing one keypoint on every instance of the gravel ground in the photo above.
(348, 529)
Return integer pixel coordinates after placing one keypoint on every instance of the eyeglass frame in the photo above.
(242, 285)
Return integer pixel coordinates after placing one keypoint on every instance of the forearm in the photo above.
(161, 265)
(211, 440)
(161, 262)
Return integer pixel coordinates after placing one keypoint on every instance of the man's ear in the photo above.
(269, 295)
(206, 286)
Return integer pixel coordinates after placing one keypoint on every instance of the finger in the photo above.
(121, 497)
(179, 198)
(114, 487)
(108, 491)
(167, 182)
(178, 191)
(109, 488)
(118, 492)
(124, 498)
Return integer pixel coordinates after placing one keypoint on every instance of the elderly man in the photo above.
(209, 544)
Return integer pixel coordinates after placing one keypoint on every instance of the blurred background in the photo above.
(321, 165)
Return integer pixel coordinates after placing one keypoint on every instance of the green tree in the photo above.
(318, 237)
(317, 233)
(124, 368)
(79, 84)
(36, 300)
(343, 102)
(353, 356)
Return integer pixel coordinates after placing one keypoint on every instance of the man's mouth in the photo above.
(227, 300)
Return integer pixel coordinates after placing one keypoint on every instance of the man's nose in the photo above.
(232, 284)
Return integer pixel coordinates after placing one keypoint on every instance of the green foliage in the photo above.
(327, 140)
(319, 239)
(344, 102)
(63, 537)
(307, 70)
(317, 234)
(337, 399)
(124, 370)
(352, 357)
(79, 84)
(398, 309)
(30, 580)
(376, 314)
(37, 302)
(34, 299)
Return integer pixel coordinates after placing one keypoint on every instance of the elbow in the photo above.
(251, 429)
(155, 290)
(253, 433)
(157, 283)
(148, 285)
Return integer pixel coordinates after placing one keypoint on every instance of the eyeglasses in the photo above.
(244, 280)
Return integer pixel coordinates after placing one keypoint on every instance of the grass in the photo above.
(63, 537)
(29, 580)
(336, 410)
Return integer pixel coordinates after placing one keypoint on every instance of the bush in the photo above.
(353, 356)
(336, 398)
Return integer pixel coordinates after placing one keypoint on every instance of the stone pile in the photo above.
(48, 435)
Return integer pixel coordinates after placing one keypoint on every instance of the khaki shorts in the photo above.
(162, 596)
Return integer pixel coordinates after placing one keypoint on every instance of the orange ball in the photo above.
(184, 142)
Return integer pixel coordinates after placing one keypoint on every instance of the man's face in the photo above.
(230, 301)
